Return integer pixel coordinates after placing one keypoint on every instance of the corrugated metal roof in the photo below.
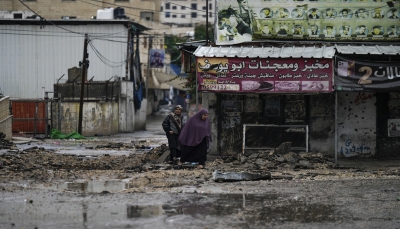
(365, 49)
(267, 52)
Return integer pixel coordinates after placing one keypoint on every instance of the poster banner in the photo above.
(357, 75)
(393, 127)
(157, 58)
(260, 75)
(338, 20)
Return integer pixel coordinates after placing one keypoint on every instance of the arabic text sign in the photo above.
(349, 20)
(264, 75)
(356, 75)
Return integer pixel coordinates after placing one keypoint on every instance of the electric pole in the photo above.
(148, 67)
(84, 64)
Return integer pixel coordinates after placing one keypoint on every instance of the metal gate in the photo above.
(29, 116)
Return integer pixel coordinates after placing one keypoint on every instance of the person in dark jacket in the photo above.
(172, 126)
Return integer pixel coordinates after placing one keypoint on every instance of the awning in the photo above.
(366, 49)
(164, 78)
(154, 83)
(267, 52)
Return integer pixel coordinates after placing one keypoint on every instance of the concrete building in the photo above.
(186, 13)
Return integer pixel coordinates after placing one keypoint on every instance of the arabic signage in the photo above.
(356, 75)
(345, 20)
(258, 75)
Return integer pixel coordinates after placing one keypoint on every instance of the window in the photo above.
(204, 8)
(194, 15)
(17, 16)
(210, 6)
(205, 15)
(68, 17)
(183, 16)
(148, 16)
(194, 6)
(174, 15)
(161, 9)
(167, 6)
(167, 14)
(183, 7)
(210, 15)
(174, 7)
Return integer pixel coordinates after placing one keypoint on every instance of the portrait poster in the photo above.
(252, 105)
(157, 58)
(263, 75)
(239, 21)
(393, 127)
(229, 106)
(272, 107)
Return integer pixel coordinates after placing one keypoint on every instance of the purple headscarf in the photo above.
(195, 130)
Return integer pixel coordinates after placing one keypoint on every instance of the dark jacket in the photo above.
(169, 124)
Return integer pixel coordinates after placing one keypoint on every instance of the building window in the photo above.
(68, 17)
(174, 16)
(204, 8)
(205, 15)
(167, 14)
(210, 6)
(174, 7)
(167, 6)
(210, 15)
(183, 7)
(194, 6)
(194, 15)
(148, 16)
(17, 16)
(183, 16)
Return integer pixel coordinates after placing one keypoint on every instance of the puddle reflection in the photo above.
(92, 186)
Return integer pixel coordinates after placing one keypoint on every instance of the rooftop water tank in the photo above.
(119, 13)
(106, 13)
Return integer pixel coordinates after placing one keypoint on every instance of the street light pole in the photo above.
(207, 38)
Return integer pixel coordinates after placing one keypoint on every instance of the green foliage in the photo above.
(170, 46)
(200, 32)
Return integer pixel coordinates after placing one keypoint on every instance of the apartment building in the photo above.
(186, 12)
(136, 10)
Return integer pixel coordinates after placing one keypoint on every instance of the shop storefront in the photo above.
(367, 83)
(261, 97)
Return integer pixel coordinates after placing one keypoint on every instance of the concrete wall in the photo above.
(322, 124)
(356, 124)
(99, 118)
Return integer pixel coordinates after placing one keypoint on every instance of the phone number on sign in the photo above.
(220, 87)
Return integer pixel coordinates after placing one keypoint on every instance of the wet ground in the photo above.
(116, 182)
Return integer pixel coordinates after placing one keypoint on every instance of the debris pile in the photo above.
(4, 143)
(280, 157)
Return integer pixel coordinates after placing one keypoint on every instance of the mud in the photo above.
(43, 188)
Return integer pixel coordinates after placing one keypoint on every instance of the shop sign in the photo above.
(261, 75)
(357, 75)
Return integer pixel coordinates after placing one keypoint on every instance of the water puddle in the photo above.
(91, 186)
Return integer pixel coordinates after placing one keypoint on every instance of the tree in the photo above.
(200, 32)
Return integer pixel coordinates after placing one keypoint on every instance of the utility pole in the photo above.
(84, 64)
(148, 67)
(207, 38)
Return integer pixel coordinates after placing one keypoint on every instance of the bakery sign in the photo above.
(262, 75)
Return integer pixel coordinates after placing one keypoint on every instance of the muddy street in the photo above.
(124, 182)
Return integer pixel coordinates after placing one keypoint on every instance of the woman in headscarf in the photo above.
(195, 138)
